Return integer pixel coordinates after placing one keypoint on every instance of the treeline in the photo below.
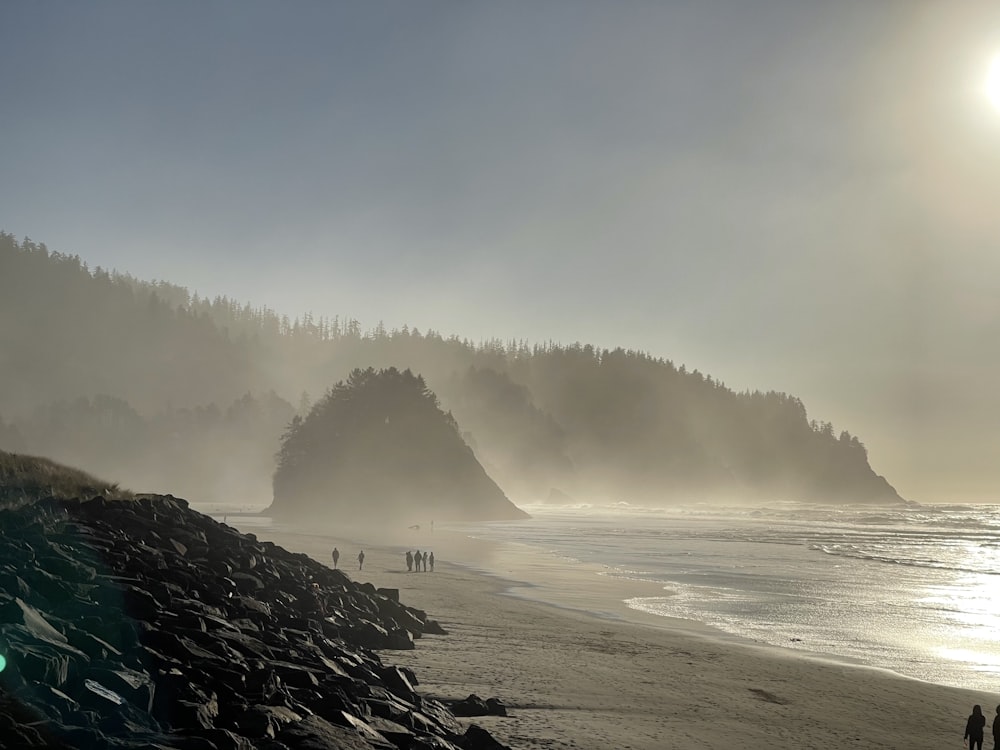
(205, 453)
(102, 370)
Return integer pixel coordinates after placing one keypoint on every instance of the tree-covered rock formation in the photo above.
(378, 446)
(161, 388)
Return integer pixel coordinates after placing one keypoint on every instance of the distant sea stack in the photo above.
(378, 447)
(138, 623)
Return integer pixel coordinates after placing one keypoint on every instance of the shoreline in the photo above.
(578, 671)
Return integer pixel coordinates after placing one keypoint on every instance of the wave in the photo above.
(958, 515)
(931, 563)
(891, 587)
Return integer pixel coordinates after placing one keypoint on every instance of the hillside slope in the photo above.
(150, 383)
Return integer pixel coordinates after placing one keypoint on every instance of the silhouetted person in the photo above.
(319, 598)
(996, 730)
(409, 560)
(416, 560)
(425, 562)
(336, 557)
(432, 562)
(361, 559)
(974, 728)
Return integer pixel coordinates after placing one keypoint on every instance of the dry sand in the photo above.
(578, 670)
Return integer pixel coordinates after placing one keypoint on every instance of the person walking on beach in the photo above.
(432, 562)
(996, 730)
(361, 559)
(409, 561)
(974, 728)
(336, 557)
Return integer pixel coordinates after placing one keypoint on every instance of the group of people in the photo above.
(975, 727)
(415, 559)
(336, 558)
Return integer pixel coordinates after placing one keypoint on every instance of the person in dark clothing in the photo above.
(336, 557)
(361, 559)
(409, 560)
(996, 730)
(432, 570)
(319, 598)
(974, 728)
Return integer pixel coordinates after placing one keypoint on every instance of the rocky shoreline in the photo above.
(144, 624)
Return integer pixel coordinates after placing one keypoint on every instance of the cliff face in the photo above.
(141, 623)
(378, 447)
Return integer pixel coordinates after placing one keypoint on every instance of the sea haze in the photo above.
(913, 590)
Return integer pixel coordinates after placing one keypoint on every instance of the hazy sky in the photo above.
(800, 195)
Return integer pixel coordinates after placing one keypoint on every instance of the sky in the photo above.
(787, 195)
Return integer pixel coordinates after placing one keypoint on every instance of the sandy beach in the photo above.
(578, 670)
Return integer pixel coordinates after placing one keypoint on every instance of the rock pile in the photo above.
(144, 624)
(476, 706)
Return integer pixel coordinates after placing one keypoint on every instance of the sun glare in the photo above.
(993, 82)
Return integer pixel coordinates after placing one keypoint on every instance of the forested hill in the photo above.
(149, 383)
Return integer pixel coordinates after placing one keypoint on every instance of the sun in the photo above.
(993, 82)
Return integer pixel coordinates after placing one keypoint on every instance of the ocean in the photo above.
(915, 590)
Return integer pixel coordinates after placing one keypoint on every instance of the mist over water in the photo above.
(911, 590)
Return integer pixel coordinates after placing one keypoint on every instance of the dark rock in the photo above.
(495, 707)
(93, 646)
(396, 680)
(40, 662)
(195, 715)
(246, 583)
(361, 731)
(143, 624)
(476, 706)
(471, 706)
(431, 742)
(192, 743)
(400, 640)
(247, 645)
(137, 688)
(477, 738)
(367, 634)
(397, 734)
(261, 684)
(139, 603)
(432, 627)
(264, 721)
(82, 737)
(295, 675)
(125, 720)
(315, 733)
(223, 739)
(57, 700)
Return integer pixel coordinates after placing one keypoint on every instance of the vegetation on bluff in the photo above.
(166, 390)
(378, 446)
(25, 479)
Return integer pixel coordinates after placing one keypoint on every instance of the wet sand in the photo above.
(578, 670)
